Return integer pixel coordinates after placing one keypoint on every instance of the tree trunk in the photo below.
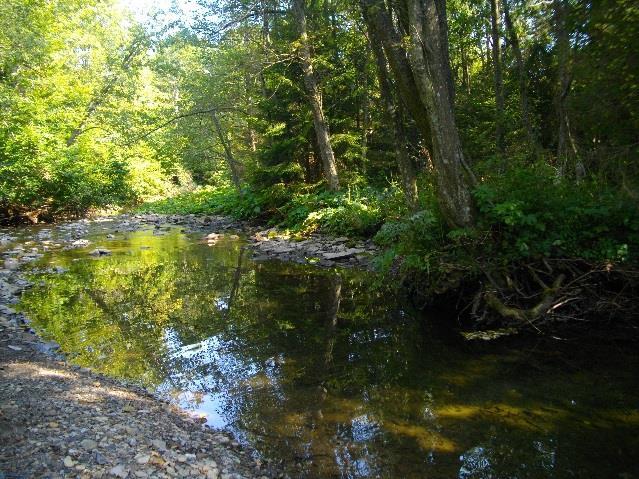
(266, 45)
(315, 98)
(251, 136)
(228, 153)
(365, 109)
(498, 77)
(565, 142)
(442, 21)
(423, 79)
(465, 70)
(523, 80)
(393, 116)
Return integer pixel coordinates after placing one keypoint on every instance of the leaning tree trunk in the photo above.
(422, 75)
(523, 80)
(498, 77)
(315, 98)
(393, 116)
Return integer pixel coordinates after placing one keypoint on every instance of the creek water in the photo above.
(325, 372)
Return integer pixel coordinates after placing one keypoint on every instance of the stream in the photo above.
(322, 370)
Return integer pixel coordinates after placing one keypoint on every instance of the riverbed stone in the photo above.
(11, 264)
(88, 444)
(100, 252)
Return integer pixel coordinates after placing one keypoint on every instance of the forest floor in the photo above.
(59, 420)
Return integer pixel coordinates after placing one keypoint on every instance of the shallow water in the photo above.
(324, 371)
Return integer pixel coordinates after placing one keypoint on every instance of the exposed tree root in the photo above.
(528, 315)
(542, 295)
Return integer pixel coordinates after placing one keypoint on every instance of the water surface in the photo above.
(325, 372)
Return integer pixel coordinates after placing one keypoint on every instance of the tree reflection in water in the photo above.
(330, 374)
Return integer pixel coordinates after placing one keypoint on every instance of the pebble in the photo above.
(89, 444)
(159, 444)
(118, 471)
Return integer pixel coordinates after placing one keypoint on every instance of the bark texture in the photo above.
(422, 74)
(393, 116)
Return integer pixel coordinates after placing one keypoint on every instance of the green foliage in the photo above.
(285, 173)
(531, 213)
(359, 213)
(524, 214)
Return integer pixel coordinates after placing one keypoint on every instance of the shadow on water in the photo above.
(323, 371)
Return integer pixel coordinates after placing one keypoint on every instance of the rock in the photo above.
(119, 471)
(7, 310)
(68, 462)
(338, 255)
(142, 458)
(14, 348)
(211, 473)
(99, 458)
(88, 444)
(343, 254)
(159, 444)
(80, 243)
(100, 252)
(11, 264)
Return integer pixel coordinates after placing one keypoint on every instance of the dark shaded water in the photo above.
(327, 373)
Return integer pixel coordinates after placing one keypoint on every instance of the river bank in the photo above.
(316, 371)
(59, 420)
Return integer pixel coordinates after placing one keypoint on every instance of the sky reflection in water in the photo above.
(326, 372)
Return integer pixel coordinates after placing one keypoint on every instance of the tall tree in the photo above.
(565, 143)
(115, 70)
(234, 166)
(495, 21)
(394, 117)
(315, 98)
(422, 74)
(522, 75)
